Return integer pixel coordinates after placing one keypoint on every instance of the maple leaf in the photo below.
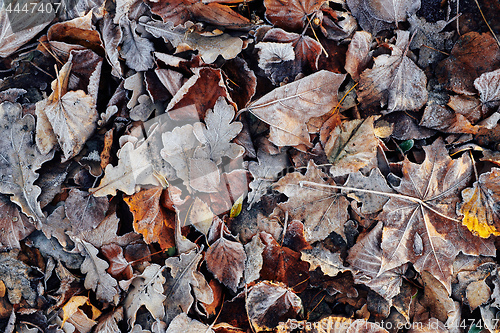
(365, 259)
(394, 80)
(421, 226)
(147, 290)
(321, 212)
(352, 146)
(14, 225)
(19, 159)
(292, 14)
(151, 220)
(288, 108)
(480, 205)
(209, 46)
(67, 118)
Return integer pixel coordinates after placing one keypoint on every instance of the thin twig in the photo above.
(484, 18)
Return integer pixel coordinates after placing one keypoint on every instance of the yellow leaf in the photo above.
(236, 209)
(476, 215)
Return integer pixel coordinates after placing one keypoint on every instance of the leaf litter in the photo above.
(227, 166)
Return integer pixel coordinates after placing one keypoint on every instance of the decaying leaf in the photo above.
(264, 173)
(226, 260)
(146, 290)
(65, 117)
(14, 225)
(365, 258)
(421, 226)
(394, 80)
(183, 282)
(20, 159)
(289, 107)
(440, 118)
(208, 46)
(97, 278)
(321, 211)
(352, 146)
(358, 54)
(268, 303)
(85, 211)
(319, 256)
(108, 323)
(136, 50)
(15, 276)
(151, 220)
(182, 323)
(291, 14)
(480, 206)
(370, 203)
(253, 265)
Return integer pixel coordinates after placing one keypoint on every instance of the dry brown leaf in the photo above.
(370, 203)
(119, 267)
(65, 117)
(321, 211)
(330, 263)
(111, 35)
(108, 323)
(440, 118)
(151, 220)
(394, 80)
(292, 14)
(472, 55)
(421, 225)
(352, 146)
(20, 159)
(358, 54)
(268, 303)
(480, 206)
(14, 225)
(288, 108)
(253, 265)
(85, 211)
(16, 277)
(226, 260)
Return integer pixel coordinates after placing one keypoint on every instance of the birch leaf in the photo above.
(19, 159)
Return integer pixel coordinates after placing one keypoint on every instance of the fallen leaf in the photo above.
(268, 303)
(65, 117)
(365, 259)
(137, 166)
(14, 225)
(20, 159)
(254, 262)
(218, 131)
(182, 323)
(198, 94)
(147, 291)
(472, 55)
(421, 225)
(480, 205)
(108, 323)
(394, 80)
(16, 277)
(292, 14)
(352, 146)
(135, 49)
(488, 85)
(440, 118)
(96, 277)
(208, 46)
(436, 298)
(226, 261)
(358, 54)
(321, 211)
(119, 267)
(319, 256)
(370, 203)
(289, 107)
(151, 220)
(85, 211)
(183, 282)
(111, 35)
(264, 174)
(72, 306)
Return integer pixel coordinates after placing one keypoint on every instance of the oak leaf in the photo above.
(394, 80)
(20, 159)
(287, 109)
(108, 323)
(321, 211)
(146, 290)
(14, 225)
(420, 224)
(480, 206)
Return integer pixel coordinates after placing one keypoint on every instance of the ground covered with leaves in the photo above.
(248, 166)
